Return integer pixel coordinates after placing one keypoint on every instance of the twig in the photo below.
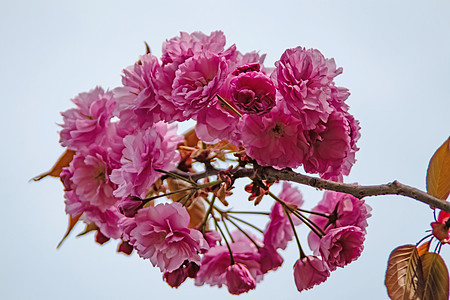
(359, 191)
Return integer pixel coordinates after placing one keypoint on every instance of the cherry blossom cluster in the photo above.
(165, 196)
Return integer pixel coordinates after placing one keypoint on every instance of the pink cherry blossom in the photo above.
(216, 123)
(303, 77)
(344, 210)
(128, 206)
(253, 92)
(146, 150)
(270, 259)
(275, 139)
(279, 231)
(212, 237)
(197, 82)
(139, 102)
(176, 277)
(239, 279)
(332, 153)
(161, 234)
(87, 124)
(178, 49)
(340, 246)
(310, 271)
(249, 58)
(215, 262)
(90, 178)
(107, 221)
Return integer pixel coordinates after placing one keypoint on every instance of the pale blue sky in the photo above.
(395, 56)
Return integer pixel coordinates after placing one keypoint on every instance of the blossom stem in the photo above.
(302, 254)
(174, 175)
(249, 212)
(226, 228)
(313, 226)
(305, 220)
(314, 213)
(424, 238)
(225, 239)
(245, 222)
(245, 233)
(203, 225)
(225, 102)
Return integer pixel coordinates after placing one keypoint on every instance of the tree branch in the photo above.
(359, 191)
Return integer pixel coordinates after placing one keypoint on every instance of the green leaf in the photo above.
(435, 274)
(404, 274)
(438, 173)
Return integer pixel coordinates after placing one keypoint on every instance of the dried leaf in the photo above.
(404, 274)
(197, 212)
(72, 222)
(89, 227)
(435, 273)
(438, 173)
(176, 185)
(424, 248)
(62, 162)
(190, 138)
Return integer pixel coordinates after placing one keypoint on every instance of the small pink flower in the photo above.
(178, 49)
(212, 238)
(333, 150)
(275, 139)
(270, 259)
(161, 234)
(146, 150)
(139, 102)
(106, 220)
(87, 124)
(90, 178)
(176, 277)
(344, 210)
(303, 77)
(215, 123)
(341, 246)
(278, 231)
(241, 61)
(310, 271)
(129, 206)
(197, 82)
(239, 279)
(215, 262)
(253, 93)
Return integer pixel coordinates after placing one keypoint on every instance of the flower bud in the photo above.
(239, 279)
(310, 271)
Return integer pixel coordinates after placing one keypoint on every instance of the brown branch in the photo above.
(359, 191)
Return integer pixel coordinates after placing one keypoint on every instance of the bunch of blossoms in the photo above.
(129, 176)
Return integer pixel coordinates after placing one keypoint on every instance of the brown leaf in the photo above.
(197, 212)
(62, 162)
(190, 138)
(72, 222)
(424, 248)
(435, 274)
(404, 274)
(438, 173)
(89, 228)
(176, 185)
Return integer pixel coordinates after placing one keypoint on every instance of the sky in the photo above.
(396, 65)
